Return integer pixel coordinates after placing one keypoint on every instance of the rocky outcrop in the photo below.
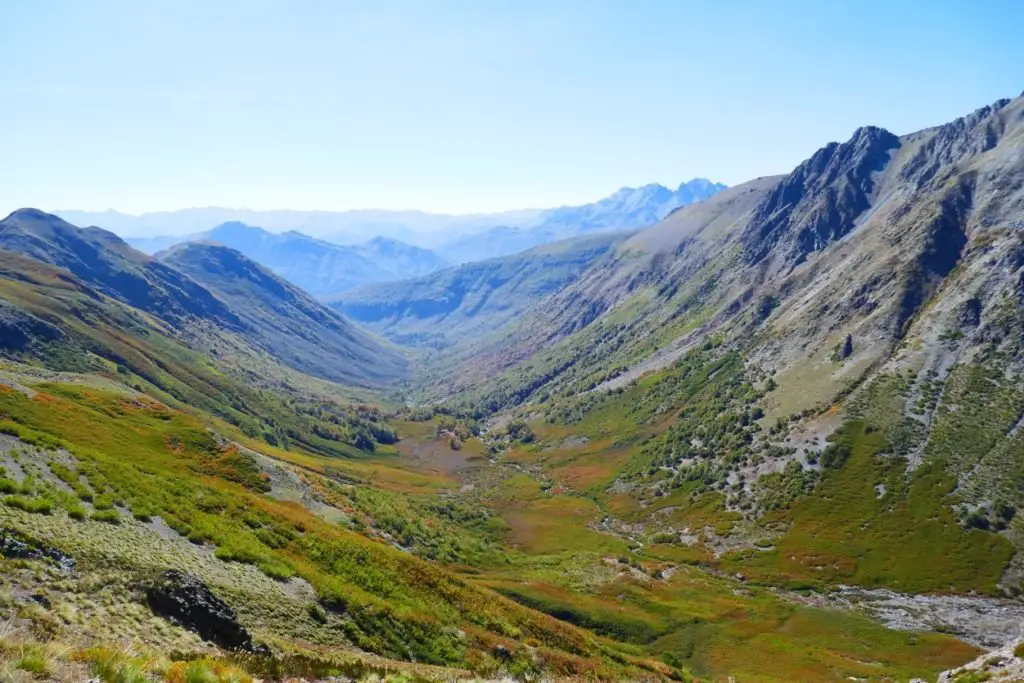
(941, 242)
(15, 545)
(1004, 665)
(950, 144)
(185, 600)
(820, 201)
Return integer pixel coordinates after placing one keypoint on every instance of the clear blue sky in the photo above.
(463, 106)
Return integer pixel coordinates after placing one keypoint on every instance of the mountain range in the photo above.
(627, 209)
(458, 239)
(773, 435)
(321, 268)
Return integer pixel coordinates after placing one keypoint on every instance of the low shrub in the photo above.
(40, 506)
(34, 664)
(109, 516)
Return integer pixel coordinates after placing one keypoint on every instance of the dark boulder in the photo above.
(969, 314)
(16, 546)
(847, 349)
(185, 600)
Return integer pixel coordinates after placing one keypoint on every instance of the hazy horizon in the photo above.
(369, 209)
(462, 108)
(415, 226)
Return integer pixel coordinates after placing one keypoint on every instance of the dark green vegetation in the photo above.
(868, 523)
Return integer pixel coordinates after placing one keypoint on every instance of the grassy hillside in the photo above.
(53, 322)
(129, 488)
(130, 461)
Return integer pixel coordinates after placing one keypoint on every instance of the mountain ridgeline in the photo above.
(284, 319)
(226, 337)
(627, 209)
(857, 240)
(376, 246)
(102, 260)
(321, 268)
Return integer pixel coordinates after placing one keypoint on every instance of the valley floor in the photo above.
(536, 521)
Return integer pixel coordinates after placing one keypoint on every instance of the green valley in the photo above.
(776, 436)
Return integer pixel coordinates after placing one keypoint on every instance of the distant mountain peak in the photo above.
(29, 213)
(702, 183)
(237, 225)
(236, 228)
(625, 209)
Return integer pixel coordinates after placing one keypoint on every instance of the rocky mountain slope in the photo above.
(858, 240)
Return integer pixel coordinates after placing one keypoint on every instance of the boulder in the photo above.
(185, 600)
(15, 545)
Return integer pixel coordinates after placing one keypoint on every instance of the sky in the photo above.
(461, 107)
